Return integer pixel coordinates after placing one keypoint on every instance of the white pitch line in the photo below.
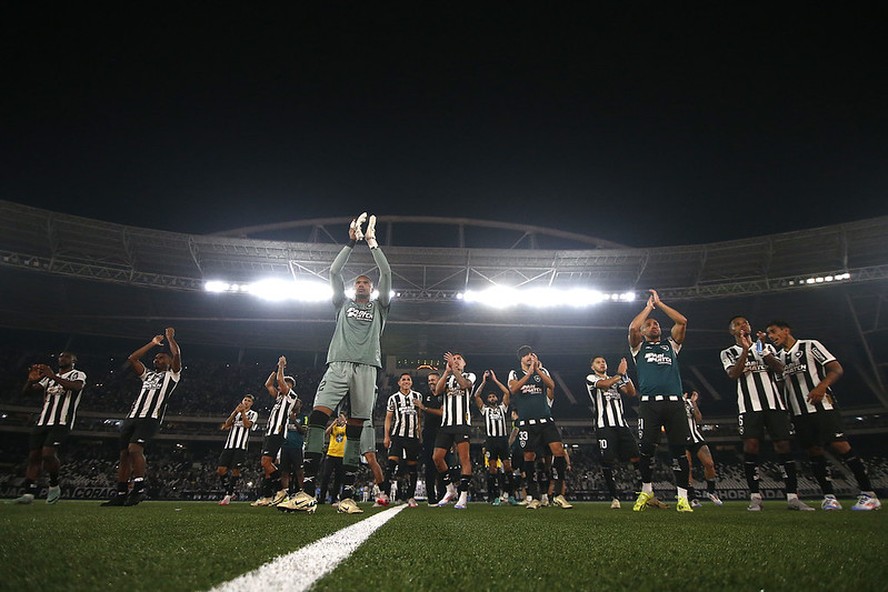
(300, 569)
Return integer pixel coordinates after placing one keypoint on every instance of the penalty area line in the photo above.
(300, 569)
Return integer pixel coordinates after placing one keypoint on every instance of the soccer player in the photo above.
(401, 438)
(528, 386)
(456, 422)
(699, 448)
(431, 422)
(809, 371)
(615, 440)
(239, 424)
(61, 396)
(659, 382)
(354, 359)
(146, 415)
(762, 407)
(281, 388)
(291, 450)
(497, 444)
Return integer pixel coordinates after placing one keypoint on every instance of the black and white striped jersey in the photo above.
(457, 402)
(155, 394)
(239, 436)
(757, 388)
(696, 434)
(804, 366)
(405, 414)
(277, 419)
(60, 404)
(495, 420)
(607, 403)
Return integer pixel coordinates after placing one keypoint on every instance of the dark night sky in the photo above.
(629, 122)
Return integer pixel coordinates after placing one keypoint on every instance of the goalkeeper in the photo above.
(353, 361)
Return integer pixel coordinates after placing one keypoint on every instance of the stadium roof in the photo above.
(83, 276)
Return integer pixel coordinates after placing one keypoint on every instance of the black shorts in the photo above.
(752, 425)
(405, 448)
(652, 415)
(537, 437)
(138, 430)
(616, 444)
(272, 445)
(232, 457)
(497, 449)
(450, 435)
(819, 429)
(291, 459)
(47, 436)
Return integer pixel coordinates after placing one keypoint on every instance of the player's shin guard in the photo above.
(351, 460)
(821, 473)
(559, 468)
(491, 487)
(533, 486)
(681, 468)
(223, 480)
(314, 450)
(853, 462)
(646, 462)
(608, 473)
(750, 469)
(788, 468)
(412, 475)
(232, 483)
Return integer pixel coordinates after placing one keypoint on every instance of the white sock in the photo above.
(682, 492)
(789, 496)
(647, 487)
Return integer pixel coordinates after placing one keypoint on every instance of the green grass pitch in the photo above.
(194, 546)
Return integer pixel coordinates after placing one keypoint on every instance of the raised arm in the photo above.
(174, 349)
(479, 389)
(135, 358)
(507, 394)
(35, 375)
(635, 337)
(269, 385)
(283, 385)
(680, 326)
(695, 409)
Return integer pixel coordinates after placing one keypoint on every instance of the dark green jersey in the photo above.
(531, 401)
(658, 371)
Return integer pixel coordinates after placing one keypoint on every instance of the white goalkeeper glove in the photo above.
(370, 235)
(356, 226)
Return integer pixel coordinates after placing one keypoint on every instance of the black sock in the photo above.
(559, 468)
(310, 464)
(821, 473)
(491, 487)
(138, 484)
(54, 479)
(30, 487)
(122, 488)
(853, 462)
(223, 480)
(349, 476)
(412, 477)
(710, 486)
(692, 492)
(464, 481)
(681, 469)
(609, 482)
(750, 467)
(231, 484)
(646, 468)
(790, 478)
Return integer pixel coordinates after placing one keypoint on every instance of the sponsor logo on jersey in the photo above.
(359, 314)
(658, 359)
